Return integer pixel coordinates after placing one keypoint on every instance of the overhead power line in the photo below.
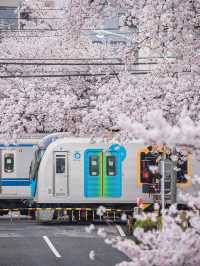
(38, 29)
(31, 9)
(75, 64)
(81, 59)
(68, 75)
(61, 59)
(55, 76)
(29, 19)
(27, 30)
(29, 36)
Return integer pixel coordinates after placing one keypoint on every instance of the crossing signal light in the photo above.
(148, 167)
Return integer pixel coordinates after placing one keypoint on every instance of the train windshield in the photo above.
(36, 163)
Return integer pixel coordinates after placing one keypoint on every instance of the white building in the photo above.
(9, 18)
(8, 15)
(8, 3)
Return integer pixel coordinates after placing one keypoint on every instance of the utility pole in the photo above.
(163, 182)
(173, 181)
(168, 181)
(18, 15)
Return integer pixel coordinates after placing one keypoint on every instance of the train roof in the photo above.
(76, 140)
(79, 140)
(20, 143)
(82, 140)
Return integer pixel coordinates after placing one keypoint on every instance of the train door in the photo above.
(61, 174)
(0, 171)
(103, 175)
(93, 173)
(8, 172)
(112, 185)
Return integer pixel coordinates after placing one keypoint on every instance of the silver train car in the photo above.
(15, 160)
(75, 172)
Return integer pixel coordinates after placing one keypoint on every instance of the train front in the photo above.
(35, 163)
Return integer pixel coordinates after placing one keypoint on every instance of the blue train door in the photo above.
(112, 177)
(103, 174)
(93, 173)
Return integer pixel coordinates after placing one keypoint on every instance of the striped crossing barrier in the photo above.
(75, 214)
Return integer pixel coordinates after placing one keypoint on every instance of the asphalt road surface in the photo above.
(28, 243)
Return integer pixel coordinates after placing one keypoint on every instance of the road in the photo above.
(28, 243)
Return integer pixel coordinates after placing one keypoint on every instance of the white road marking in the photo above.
(11, 235)
(120, 230)
(51, 246)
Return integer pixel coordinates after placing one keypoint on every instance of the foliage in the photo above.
(38, 93)
(169, 246)
(162, 99)
(161, 105)
(148, 224)
(167, 34)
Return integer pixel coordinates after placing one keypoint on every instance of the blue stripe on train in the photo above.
(14, 179)
(12, 182)
(16, 145)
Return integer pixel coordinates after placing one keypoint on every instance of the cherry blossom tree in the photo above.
(164, 28)
(31, 108)
(169, 246)
(161, 107)
(168, 30)
(66, 95)
(176, 242)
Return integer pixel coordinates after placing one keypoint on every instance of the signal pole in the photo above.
(163, 183)
(171, 177)
(173, 181)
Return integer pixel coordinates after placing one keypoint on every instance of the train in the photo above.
(83, 173)
(15, 160)
(58, 172)
(15, 165)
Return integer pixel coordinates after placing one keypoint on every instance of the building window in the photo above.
(8, 18)
(9, 163)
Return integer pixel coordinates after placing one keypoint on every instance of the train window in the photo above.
(94, 165)
(111, 165)
(60, 165)
(9, 163)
